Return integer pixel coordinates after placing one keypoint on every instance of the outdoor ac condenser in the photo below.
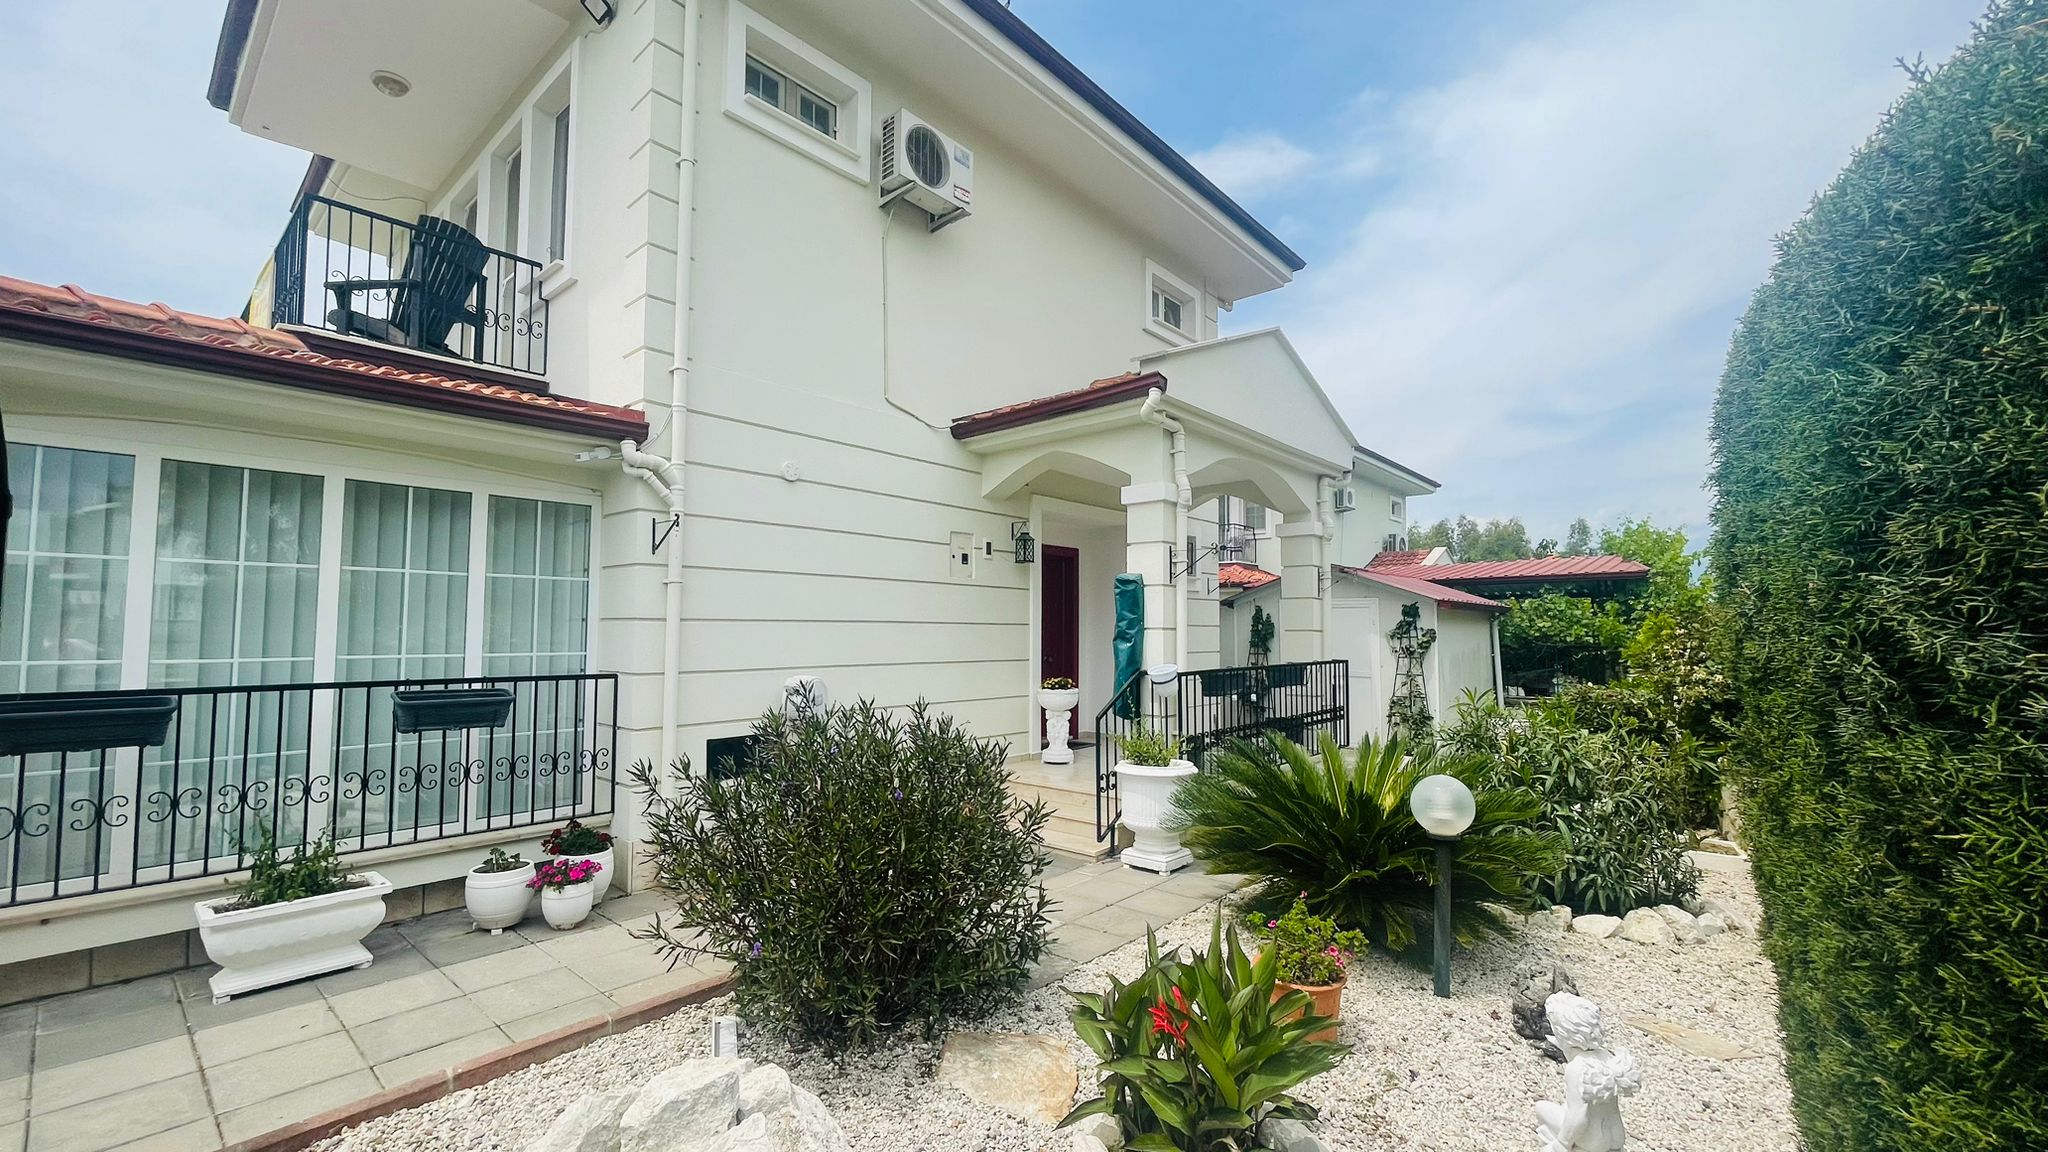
(926, 167)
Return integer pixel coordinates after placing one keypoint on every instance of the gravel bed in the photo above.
(1424, 1074)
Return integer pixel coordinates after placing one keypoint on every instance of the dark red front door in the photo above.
(1059, 616)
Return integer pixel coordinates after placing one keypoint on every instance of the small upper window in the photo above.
(1167, 310)
(778, 91)
(1173, 307)
(1394, 509)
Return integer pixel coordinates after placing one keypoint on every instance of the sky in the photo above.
(1530, 226)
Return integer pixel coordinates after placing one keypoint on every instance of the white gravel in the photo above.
(1424, 1074)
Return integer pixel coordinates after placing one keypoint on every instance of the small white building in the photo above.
(616, 355)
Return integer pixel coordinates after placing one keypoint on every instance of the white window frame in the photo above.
(748, 33)
(1396, 508)
(530, 133)
(1159, 280)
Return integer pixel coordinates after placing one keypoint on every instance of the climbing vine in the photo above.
(1408, 715)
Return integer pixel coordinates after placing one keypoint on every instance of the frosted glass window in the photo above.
(67, 569)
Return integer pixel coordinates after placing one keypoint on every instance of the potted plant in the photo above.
(1312, 956)
(1058, 695)
(566, 890)
(1148, 772)
(295, 917)
(573, 841)
(496, 891)
(1261, 635)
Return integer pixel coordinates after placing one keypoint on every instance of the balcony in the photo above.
(427, 290)
(368, 765)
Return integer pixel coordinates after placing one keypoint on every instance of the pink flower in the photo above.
(1272, 923)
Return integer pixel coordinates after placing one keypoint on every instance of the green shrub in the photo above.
(1880, 443)
(1338, 833)
(1146, 747)
(1196, 1051)
(869, 872)
(1309, 949)
(1601, 793)
(314, 869)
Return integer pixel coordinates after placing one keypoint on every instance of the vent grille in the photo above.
(889, 149)
(925, 152)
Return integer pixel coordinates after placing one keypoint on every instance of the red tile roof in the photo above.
(1099, 394)
(1397, 559)
(1407, 582)
(1235, 575)
(1542, 569)
(72, 317)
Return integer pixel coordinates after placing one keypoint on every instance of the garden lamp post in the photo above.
(1444, 807)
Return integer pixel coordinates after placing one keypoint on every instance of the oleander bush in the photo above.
(1336, 831)
(1880, 451)
(868, 871)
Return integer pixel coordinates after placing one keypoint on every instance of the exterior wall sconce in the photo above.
(1444, 807)
(1020, 537)
(600, 11)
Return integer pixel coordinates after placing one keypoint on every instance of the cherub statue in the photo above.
(1596, 1077)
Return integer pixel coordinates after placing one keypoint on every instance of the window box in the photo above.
(84, 724)
(447, 709)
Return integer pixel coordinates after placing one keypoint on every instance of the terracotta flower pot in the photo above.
(1324, 1000)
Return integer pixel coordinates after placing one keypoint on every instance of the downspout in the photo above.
(1184, 499)
(1326, 515)
(665, 474)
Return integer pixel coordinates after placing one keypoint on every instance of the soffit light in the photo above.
(1442, 805)
(390, 83)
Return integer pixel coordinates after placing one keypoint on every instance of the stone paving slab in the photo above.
(155, 1064)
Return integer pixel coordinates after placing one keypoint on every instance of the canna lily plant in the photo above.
(1197, 1051)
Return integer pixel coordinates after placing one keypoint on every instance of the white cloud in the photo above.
(1249, 166)
(1534, 305)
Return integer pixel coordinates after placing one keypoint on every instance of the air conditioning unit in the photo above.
(926, 167)
(1236, 539)
(1343, 499)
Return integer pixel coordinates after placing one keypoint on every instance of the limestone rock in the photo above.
(693, 1101)
(1683, 926)
(1645, 926)
(1736, 920)
(1290, 1136)
(1086, 1142)
(1534, 983)
(1598, 927)
(1028, 1076)
(765, 1089)
(1692, 1040)
(749, 1135)
(805, 1125)
(589, 1125)
(1711, 924)
(1556, 918)
(1104, 1130)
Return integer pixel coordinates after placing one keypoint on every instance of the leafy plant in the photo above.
(1261, 634)
(498, 861)
(1145, 746)
(1339, 833)
(1408, 714)
(575, 839)
(1197, 1051)
(1311, 949)
(313, 869)
(556, 875)
(1057, 684)
(1624, 845)
(871, 871)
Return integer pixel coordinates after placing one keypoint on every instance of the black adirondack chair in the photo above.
(430, 296)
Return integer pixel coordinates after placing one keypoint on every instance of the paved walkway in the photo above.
(154, 1066)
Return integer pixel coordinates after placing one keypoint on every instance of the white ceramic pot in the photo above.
(603, 880)
(259, 947)
(568, 906)
(498, 900)
(1059, 704)
(1146, 795)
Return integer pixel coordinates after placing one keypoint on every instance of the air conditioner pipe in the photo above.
(1326, 514)
(1184, 499)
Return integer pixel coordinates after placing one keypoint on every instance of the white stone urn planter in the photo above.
(498, 900)
(274, 943)
(604, 877)
(567, 906)
(1146, 794)
(1059, 705)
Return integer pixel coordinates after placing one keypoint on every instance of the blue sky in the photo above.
(1530, 227)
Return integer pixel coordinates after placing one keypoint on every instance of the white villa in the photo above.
(635, 358)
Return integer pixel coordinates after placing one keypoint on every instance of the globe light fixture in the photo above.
(1445, 808)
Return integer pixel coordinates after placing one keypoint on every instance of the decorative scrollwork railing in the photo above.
(299, 762)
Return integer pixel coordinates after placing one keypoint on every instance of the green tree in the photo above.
(1578, 539)
(1437, 535)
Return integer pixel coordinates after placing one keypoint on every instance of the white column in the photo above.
(1149, 517)
(1302, 570)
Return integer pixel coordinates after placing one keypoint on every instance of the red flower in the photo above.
(1171, 1020)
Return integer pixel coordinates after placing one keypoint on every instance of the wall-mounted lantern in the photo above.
(1020, 537)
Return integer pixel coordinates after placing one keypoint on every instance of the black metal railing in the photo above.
(300, 763)
(1205, 709)
(450, 295)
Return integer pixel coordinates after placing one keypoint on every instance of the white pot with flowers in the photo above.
(565, 888)
(1148, 773)
(576, 841)
(496, 891)
(296, 916)
(1059, 696)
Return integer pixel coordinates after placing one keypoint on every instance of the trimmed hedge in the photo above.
(1881, 535)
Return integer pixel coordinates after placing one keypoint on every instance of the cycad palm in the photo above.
(1338, 830)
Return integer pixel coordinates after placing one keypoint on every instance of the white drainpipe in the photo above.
(1326, 515)
(1184, 499)
(665, 474)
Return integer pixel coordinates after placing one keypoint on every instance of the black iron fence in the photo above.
(428, 285)
(1206, 709)
(366, 764)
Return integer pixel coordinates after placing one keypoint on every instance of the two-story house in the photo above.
(634, 357)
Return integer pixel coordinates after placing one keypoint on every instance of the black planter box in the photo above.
(446, 709)
(83, 723)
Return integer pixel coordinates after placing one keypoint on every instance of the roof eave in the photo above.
(227, 53)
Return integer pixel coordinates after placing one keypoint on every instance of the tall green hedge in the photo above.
(1881, 533)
